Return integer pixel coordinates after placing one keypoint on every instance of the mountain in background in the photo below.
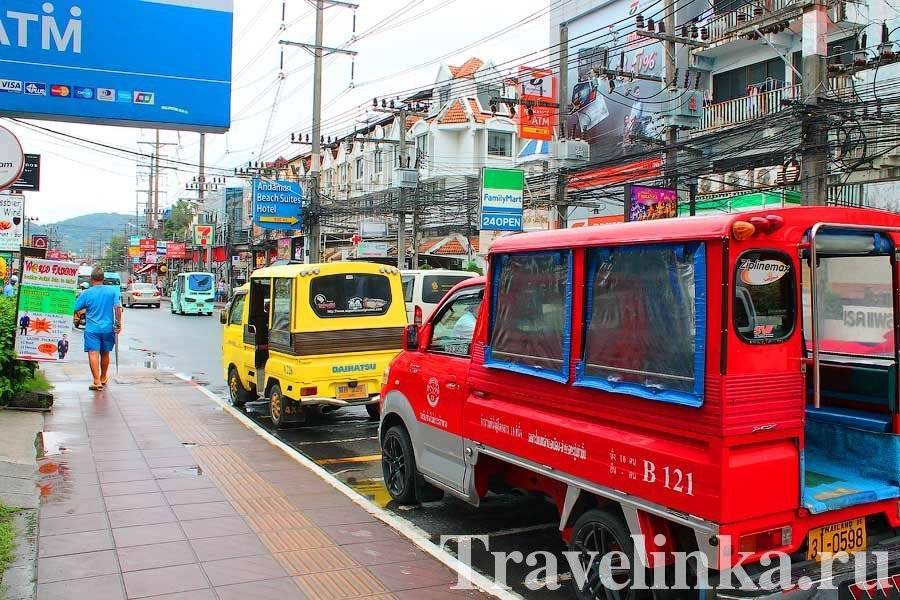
(85, 234)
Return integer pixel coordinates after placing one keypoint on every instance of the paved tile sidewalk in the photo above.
(150, 490)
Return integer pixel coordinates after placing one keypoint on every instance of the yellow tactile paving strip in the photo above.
(321, 569)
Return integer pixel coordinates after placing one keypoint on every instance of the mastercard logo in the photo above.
(61, 91)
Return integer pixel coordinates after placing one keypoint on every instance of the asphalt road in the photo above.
(345, 443)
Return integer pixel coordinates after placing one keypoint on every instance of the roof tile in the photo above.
(455, 114)
(468, 69)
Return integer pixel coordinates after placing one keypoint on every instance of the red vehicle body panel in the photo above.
(735, 461)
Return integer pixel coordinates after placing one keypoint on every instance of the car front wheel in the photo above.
(398, 464)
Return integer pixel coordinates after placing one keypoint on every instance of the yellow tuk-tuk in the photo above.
(316, 335)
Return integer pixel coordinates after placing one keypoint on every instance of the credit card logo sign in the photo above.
(32, 88)
(10, 86)
(61, 91)
(123, 96)
(85, 93)
(106, 94)
(143, 98)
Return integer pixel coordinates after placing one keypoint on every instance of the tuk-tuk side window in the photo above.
(530, 314)
(237, 310)
(645, 322)
(763, 303)
(350, 295)
(281, 304)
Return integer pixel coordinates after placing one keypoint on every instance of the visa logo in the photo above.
(10, 86)
(143, 98)
(33, 88)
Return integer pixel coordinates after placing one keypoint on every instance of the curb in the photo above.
(416, 535)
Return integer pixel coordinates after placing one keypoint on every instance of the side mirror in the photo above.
(223, 318)
(411, 337)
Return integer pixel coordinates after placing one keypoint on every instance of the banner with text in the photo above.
(46, 302)
(11, 213)
(502, 195)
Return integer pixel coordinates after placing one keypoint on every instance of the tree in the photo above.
(114, 258)
(180, 219)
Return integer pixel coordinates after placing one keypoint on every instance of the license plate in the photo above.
(847, 536)
(345, 392)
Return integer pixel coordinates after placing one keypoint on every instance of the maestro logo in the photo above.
(60, 91)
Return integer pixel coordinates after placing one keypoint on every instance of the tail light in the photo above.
(767, 540)
(157, 294)
(309, 391)
(136, 294)
(417, 316)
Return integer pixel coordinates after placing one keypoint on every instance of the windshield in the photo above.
(350, 295)
(435, 287)
(83, 279)
(855, 305)
(198, 282)
(111, 281)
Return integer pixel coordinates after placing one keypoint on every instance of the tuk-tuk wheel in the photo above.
(276, 405)
(374, 411)
(236, 392)
(595, 534)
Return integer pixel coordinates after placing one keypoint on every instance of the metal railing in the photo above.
(740, 110)
(723, 25)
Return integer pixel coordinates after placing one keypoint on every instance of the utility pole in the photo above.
(401, 214)
(671, 132)
(155, 221)
(814, 163)
(313, 221)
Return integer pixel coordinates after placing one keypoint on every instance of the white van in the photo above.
(424, 289)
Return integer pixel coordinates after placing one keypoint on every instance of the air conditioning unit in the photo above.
(569, 150)
(711, 184)
(765, 177)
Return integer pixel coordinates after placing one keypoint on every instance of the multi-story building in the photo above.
(748, 62)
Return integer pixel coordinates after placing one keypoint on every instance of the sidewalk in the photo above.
(161, 494)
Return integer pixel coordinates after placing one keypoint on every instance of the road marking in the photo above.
(517, 530)
(415, 534)
(350, 459)
(360, 439)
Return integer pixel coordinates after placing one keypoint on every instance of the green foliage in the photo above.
(38, 383)
(114, 259)
(14, 373)
(7, 537)
(474, 268)
(179, 222)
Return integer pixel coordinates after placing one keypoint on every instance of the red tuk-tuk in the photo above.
(725, 385)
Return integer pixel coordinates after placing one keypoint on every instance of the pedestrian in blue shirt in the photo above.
(100, 307)
(9, 290)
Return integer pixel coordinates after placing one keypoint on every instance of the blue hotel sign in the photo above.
(277, 204)
(141, 63)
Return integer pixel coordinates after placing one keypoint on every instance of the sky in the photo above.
(398, 55)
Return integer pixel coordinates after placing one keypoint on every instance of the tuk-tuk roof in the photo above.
(332, 268)
(797, 221)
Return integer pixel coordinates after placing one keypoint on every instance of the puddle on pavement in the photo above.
(51, 443)
(54, 477)
(371, 489)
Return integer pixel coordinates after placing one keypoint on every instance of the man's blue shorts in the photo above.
(99, 342)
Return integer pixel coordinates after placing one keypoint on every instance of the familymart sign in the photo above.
(502, 192)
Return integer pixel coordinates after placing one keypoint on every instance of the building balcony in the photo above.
(729, 25)
(740, 111)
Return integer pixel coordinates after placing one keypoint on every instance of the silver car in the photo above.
(141, 294)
